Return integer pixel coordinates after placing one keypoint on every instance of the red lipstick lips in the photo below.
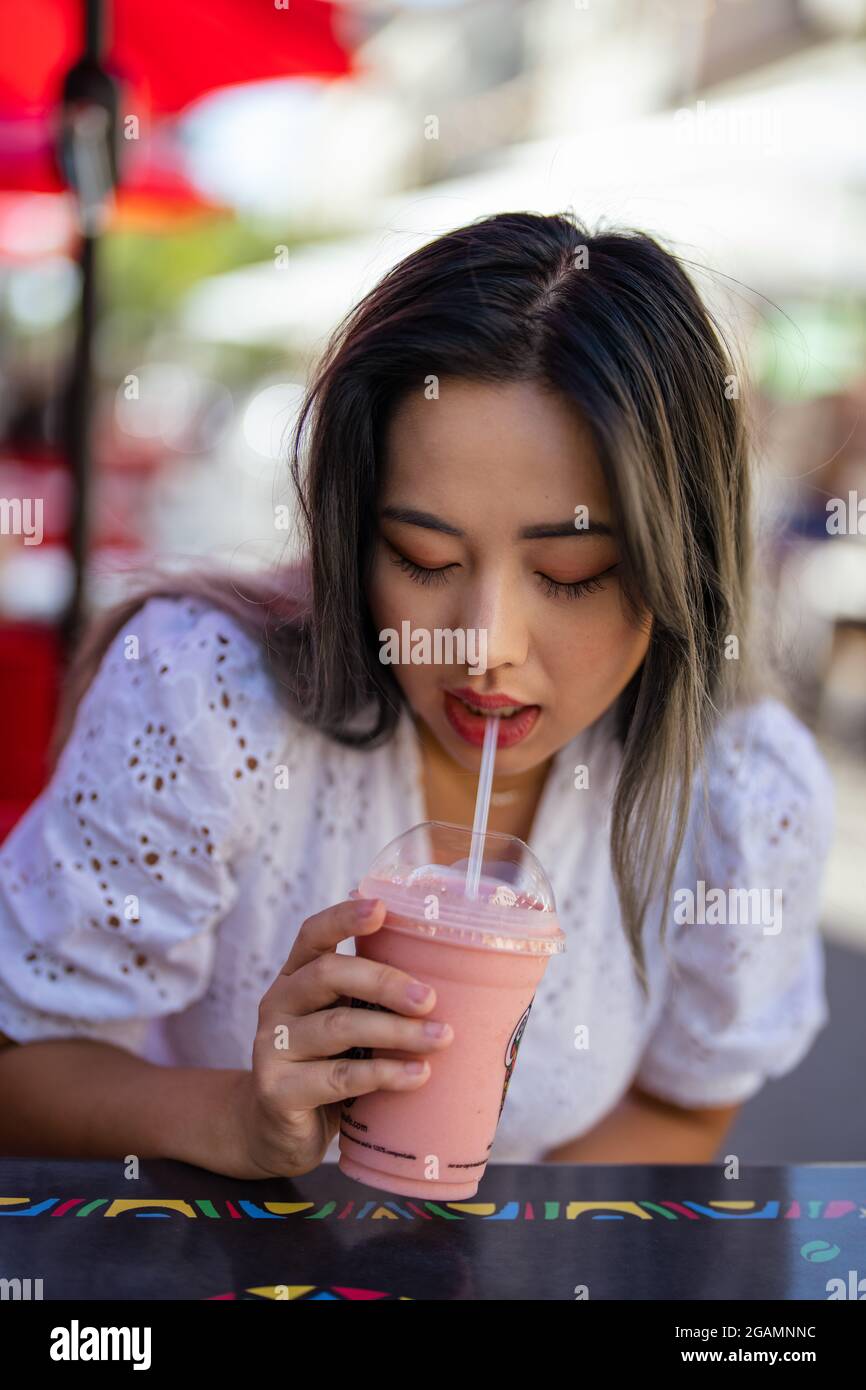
(469, 723)
(491, 702)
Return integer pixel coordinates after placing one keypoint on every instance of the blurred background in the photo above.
(193, 194)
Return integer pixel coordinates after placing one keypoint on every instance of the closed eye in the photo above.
(554, 588)
(420, 573)
(578, 587)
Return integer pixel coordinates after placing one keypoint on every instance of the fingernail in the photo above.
(417, 993)
(435, 1030)
(367, 907)
(414, 1067)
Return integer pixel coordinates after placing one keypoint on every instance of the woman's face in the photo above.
(495, 477)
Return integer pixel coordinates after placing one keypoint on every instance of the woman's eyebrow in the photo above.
(416, 518)
(544, 530)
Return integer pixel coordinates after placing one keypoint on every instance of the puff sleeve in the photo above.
(114, 881)
(746, 997)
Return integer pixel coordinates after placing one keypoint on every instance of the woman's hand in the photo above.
(288, 1107)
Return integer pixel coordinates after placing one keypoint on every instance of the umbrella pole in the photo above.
(87, 155)
(78, 436)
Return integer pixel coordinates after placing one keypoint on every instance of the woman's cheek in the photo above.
(596, 649)
(394, 598)
(387, 606)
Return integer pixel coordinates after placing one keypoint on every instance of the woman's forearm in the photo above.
(644, 1130)
(84, 1099)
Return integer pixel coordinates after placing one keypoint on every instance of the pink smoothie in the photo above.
(485, 959)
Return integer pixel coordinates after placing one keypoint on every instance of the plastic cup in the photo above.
(485, 957)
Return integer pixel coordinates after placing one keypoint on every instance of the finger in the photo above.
(321, 1083)
(325, 930)
(333, 1032)
(332, 978)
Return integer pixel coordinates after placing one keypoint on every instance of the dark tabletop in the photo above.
(539, 1231)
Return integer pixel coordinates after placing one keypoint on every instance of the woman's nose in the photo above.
(494, 614)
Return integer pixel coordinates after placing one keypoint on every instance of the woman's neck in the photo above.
(449, 790)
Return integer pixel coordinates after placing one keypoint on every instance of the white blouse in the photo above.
(152, 892)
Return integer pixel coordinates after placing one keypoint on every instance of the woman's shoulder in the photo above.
(190, 653)
(765, 774)
(210, 668)
(187, 699)
(190, 624)
(766, 737)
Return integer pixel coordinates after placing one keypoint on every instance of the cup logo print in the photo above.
(512, 1050)
(361, 1054)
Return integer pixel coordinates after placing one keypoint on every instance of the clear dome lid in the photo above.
(422, 878)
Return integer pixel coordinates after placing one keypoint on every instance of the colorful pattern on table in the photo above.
(404, 1209)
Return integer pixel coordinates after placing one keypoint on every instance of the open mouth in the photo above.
(469, 720)
(504, 711)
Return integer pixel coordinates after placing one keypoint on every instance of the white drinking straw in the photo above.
(482, 805)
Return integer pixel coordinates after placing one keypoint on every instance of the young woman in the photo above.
(526, 431)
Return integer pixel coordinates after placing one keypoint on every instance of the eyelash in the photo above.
(419, 573)
(552, 587)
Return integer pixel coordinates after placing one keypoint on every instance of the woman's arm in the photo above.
(83, 1099)
(644, 1129)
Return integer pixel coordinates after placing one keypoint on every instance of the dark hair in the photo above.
(612, 322)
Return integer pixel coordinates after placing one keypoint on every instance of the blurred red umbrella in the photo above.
(78, 75)
(167, 54)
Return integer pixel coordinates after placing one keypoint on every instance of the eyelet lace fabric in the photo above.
(152, 892)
